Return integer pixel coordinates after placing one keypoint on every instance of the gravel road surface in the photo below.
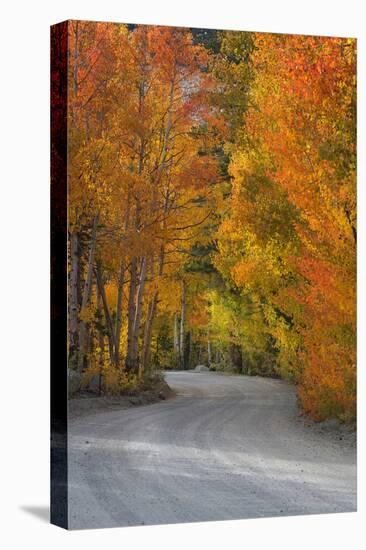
(226, 447)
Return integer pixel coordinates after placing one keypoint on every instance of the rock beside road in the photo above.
(201, 368)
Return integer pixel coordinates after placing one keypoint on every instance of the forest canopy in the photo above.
(212, 207)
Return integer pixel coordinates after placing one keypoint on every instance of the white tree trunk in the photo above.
(121, 282)
(182, 323)
(176, 335)
(138, 314)
(87, 292)
(107, 315)
(131, 311)
(148, 331)
(73, 296)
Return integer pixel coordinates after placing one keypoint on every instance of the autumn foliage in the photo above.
(291, 233)
(212, 206)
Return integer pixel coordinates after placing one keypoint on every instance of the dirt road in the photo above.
(227, 447)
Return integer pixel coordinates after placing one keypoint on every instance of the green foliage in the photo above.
(232, 67)
(162, 351)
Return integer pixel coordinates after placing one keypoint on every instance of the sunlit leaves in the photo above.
(290, 231)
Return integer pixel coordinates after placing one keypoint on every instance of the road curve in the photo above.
(227, 447)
